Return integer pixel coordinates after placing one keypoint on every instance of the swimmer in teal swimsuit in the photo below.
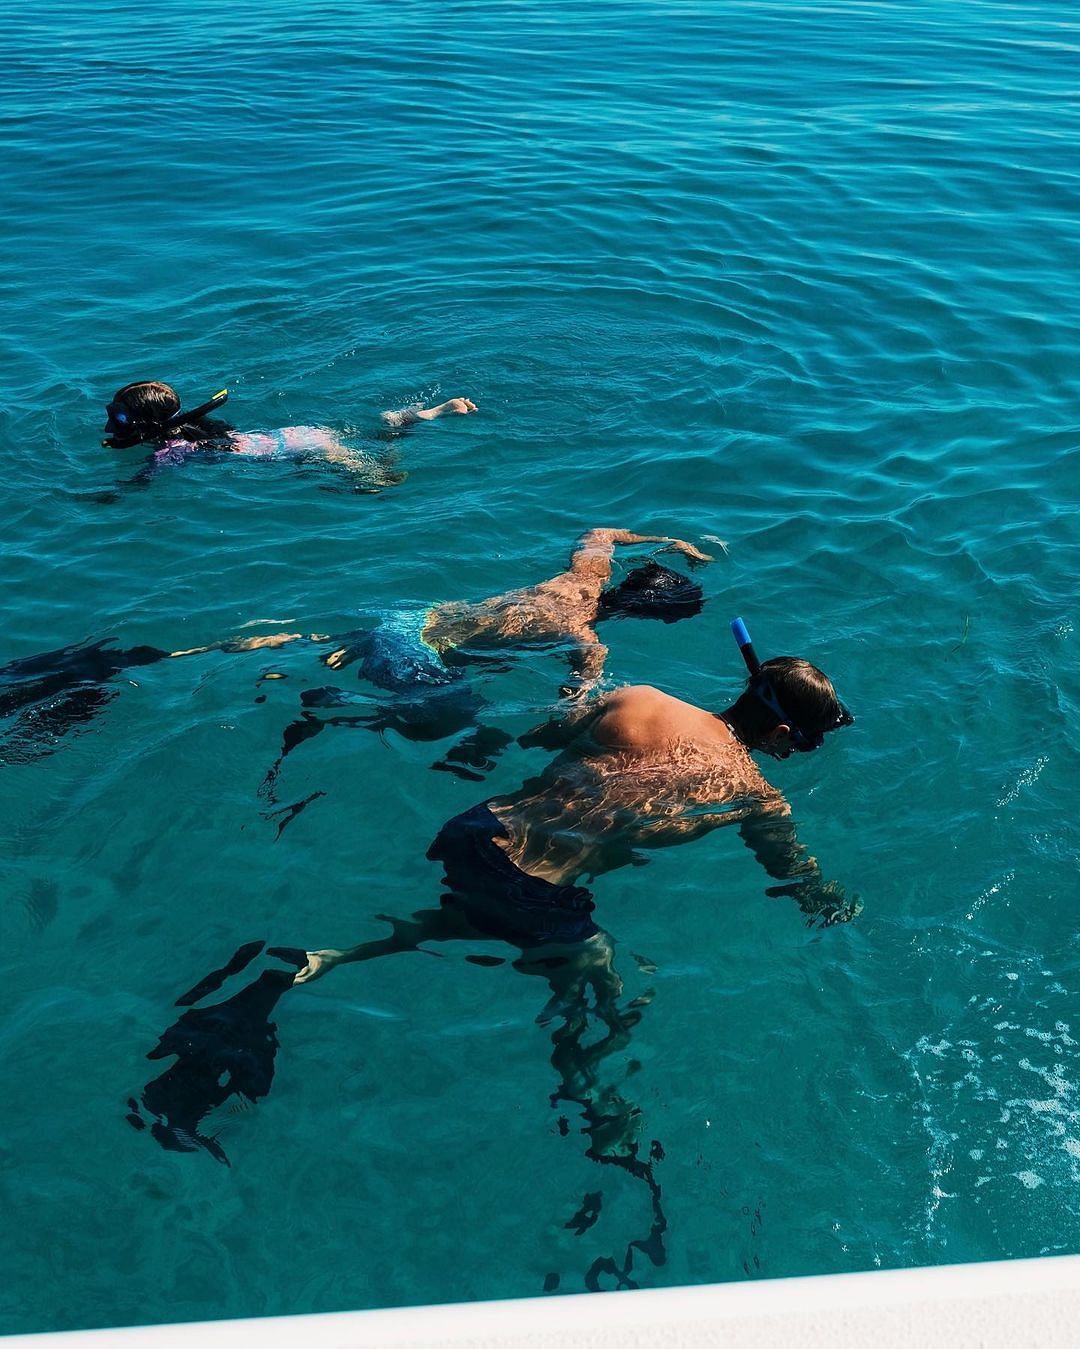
(414, 648)
(421, 655)
(150, 412)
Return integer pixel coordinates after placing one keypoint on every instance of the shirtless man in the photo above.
(57, 690)
(639, 769)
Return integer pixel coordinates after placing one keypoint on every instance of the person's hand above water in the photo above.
(688, 550)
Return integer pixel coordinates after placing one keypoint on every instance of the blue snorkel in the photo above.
(745, 645)
(762, 689)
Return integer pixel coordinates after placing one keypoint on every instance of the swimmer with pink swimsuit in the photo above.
(150, 411)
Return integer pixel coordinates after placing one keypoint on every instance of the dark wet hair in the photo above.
(152, 403)
(804, 692)
(652, 591)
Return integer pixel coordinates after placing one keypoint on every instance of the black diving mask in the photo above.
(123, 429)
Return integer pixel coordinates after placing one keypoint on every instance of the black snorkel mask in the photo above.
(124, 429)
(761, 687)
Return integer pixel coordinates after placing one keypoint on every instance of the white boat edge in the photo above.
(1011, 1303)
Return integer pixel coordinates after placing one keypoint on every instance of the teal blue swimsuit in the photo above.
(397, 658)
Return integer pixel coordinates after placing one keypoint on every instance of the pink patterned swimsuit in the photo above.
(287, 443)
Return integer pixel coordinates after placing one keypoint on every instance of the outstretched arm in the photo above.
(591, 559)
(769, 833)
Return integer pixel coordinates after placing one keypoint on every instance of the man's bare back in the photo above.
(645, 770)
(638, 769)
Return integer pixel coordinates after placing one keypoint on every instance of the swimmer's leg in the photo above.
(406, 934)
(334, 451)
(612, 1123)
(399, 418)
(224, 1050)
(433, 716)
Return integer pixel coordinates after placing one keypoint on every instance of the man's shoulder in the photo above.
(644, 717)
(641, 695)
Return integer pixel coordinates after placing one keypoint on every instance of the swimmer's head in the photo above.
(789, 705)
(151, 410)
(140, 411)
(652, 591)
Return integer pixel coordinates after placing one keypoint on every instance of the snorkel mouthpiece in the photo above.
(745, 645)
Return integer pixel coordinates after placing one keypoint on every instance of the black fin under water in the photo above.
(213, 981)
(222, 1051)
(58, 693)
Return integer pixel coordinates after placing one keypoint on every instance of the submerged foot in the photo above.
(318, 964)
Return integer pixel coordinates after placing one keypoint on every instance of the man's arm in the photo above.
(591, 559)
(586, 665)
(563, 730)
(769, 833)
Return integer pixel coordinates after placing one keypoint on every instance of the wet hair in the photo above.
(151, 403)
(804, 692)
(652, 591)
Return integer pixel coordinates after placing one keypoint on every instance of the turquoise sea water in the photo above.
(799, 277)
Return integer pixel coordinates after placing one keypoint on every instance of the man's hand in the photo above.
(824, 903)
(688, 550)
